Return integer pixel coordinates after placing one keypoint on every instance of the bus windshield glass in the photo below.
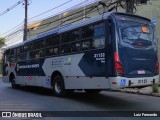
(132, 32)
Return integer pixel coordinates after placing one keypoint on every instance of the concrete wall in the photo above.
(67, 17)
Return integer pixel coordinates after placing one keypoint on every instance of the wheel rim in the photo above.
(58, 87)
(13, 82)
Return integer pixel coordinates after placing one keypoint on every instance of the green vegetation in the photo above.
(2, 43)
(155, 88)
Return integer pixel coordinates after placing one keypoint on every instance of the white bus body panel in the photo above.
(121, 82)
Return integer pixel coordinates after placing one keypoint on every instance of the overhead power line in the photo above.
(22, 1)
(50, 9)
(10, 8)
(19, 26)
(81, 4)
(85, 2)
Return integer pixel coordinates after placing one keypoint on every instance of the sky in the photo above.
(15, 17)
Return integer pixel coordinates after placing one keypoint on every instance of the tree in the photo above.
(2, 42)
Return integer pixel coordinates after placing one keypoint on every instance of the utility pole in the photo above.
(130, 6)
(25, 20)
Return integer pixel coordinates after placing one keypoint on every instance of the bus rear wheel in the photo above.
(13, 84)
(92, 91)
(58, 86)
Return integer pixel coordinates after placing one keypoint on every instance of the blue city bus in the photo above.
(109, 51)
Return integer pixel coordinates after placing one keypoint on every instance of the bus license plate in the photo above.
(142, 81)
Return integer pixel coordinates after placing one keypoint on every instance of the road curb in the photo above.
(140, 93)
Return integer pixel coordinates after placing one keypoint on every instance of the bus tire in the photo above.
(13, 84)
(92, 91)
(58, 86)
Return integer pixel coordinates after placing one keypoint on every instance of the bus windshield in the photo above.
(132, 32)
(137, 46)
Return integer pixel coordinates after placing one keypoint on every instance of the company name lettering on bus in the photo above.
(56, 62)
(100, 57)
(28, 66)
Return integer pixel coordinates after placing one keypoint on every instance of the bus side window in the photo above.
(75, 46)
(6, 57)
(38, 49)
(86, 44)
(30, 48)
(75, 36)
(56, 50)
(41, 53)
(52, 45)
(93, 36)
(29, 53)
(20, 55)
(25, 49)
(98, 42)
(28, 56)
(52, 51)
(66, 48)
(13, 55)
(53, 41)
(37, 54)
(87, 34)
(99, 36)
(70, 41)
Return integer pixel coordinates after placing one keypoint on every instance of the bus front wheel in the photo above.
(13, 84)
(58, 86)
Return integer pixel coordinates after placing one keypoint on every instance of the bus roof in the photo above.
(131, 15)
(71, 26)
(63, 28)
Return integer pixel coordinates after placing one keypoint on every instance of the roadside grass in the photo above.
(123, 90)
(155, 88)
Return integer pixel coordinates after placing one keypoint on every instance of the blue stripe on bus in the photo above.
(93, 63)
(30, 68)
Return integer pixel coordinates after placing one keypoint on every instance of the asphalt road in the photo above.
(40, 99)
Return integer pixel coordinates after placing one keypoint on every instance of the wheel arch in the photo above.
(55, 73)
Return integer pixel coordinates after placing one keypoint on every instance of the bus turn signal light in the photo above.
(118, 65)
